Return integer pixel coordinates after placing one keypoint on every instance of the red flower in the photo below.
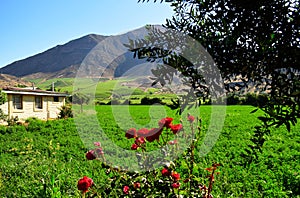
(176, 128)
(165, 172)
(139, 140)
(134, 147)
(131, 133)
(191, 118)
(154, 134)
(175, 176)
(173, 142)
(90, 155)
(143, 132)
(176, 185)
(165, 122)
(84, 184)
(126, 189)
(99, 151)
(97, 144)
(136, 185)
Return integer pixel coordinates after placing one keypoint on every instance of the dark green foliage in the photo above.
(150, 101)
(254, 42)
(65, 112)
(232, 99)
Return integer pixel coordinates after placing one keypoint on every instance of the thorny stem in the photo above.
(211, 181)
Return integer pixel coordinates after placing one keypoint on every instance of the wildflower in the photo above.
(136, 185)
(154, 134)
(191, 118)
(90, 155)
(165, 172)
(142, 132)
(84, 184)
(99, 151)
(139, 140)
(165, 122)
(130, 133)
(173, 142)
(176, 185)
(175, 176)
(126, 189)
(97, 144)
(134, 147)
(176, 128)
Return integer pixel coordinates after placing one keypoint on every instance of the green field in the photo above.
(46, 159)
(102, 90)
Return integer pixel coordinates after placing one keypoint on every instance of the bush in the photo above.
(233, 99)
(65, 112)
(151, 101)
(262, 100)
(171, 180)
(250, 99)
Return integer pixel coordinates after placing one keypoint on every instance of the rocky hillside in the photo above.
(12, 81)
(63, 61)
(55, 60)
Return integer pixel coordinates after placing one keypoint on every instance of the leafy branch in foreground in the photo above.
(253, 43)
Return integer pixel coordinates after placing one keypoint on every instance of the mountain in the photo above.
(61, 59)
(66, 60)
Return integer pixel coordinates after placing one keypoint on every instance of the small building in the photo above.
(29, 102)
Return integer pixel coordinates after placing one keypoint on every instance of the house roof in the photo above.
(31, 91)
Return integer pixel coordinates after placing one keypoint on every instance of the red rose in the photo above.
(126, 189)
(136, 185)
(165, 172)
(134, 147)
(176, 185)
(154, 134)
(175, 176)
(173, 142)
(143, 132)
(191, 118)
(176, 128)
(99, 151)
(165, 122)
(84, 184)
(130, 133)
(139, 140)
(90, 155)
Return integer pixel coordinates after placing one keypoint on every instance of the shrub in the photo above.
(250, 99)
(151, 101)
(166, 181)
(232, 99)
(65, 112)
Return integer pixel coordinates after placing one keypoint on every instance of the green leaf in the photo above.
(253, 111)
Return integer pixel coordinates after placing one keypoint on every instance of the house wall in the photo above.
(50, 108)
(4, 108)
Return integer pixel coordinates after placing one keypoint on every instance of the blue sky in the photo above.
(29, 27)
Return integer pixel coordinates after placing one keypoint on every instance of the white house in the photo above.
(24, 103)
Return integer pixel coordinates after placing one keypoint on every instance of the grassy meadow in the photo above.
(46, 159)
(103, 88)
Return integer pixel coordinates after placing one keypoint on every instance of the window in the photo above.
(17, 102)
(55, 99)
(38, 102)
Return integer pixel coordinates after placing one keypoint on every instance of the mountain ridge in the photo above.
(55, 59)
